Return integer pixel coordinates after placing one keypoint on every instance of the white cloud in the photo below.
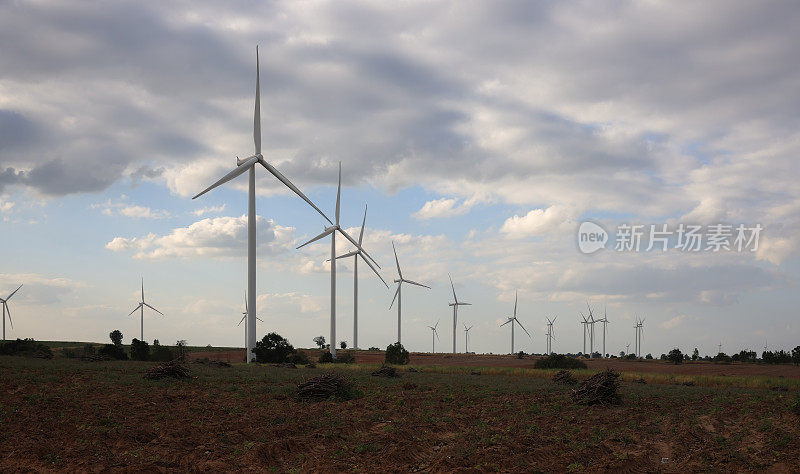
(674, 322)
(556, 219)
(210, 237)
(209, 210)
(443, 207)
(110, 208)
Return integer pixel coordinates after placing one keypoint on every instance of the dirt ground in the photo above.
(497, 360)
(71, 415)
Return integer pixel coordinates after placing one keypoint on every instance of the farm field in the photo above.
(74, 415)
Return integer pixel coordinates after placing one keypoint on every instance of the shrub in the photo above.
(397, 354)
(675, 356)
(300, 358)
(180, 350)
(341, 358)
(140, 350)
(161, 353)
(795, 406)
(273, 348)
(116, 337)
(631, 357)
(320, 341)
(88, 350)
(325, 357)
(69, 353)
(559, 361)
(796, 355)
(25, 347)
(343, 344)
(520, 355)
(374, 348)
(722, 357)
(112, 351)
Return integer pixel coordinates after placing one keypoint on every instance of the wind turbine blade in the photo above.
(418, 284)
(339, 193)
(8, 312)
(455, 298)
(142, 289)
(12, 293)
(291, 186)
(523, 327)
(461, 303)
(397, 261)
(508, 321)
(157, 311)
(437, 334)
(554, 319)
(236, 172)
(375, 271)
(348, 254)
(363, 223)
(245, 303)
(515, 303)
(135, 309)
(358, 246)
(257, 113)
(437, 324)
(324, 234)
(395, 294)
(259, 319)
(242, 320)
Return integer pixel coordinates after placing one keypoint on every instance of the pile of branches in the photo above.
(207, 361)
(285, 365)
(168, 369)
(565, 377)
(386, 371)
(323, 387)
(599, 389)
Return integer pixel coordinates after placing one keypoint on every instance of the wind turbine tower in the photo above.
(244, 319)
(513, 319)
(141, 306)
(550, 335)
(397, 294)
(455, 304)
(434, 333)
(466, 338)
(6, 310)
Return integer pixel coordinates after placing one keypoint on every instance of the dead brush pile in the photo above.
(325, 387)
(564, 377)
(386, 371)
(599, 389)
(168, 369)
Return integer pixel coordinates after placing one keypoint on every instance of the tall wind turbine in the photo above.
(141, 306)
(585, 323)
(627, 348)
(6, 310)
(638, 327)
(605, 322)
(455, 304)
(466, 338)
(550, 335)
(512, 320)
(590, 321)
(332, 232)
(244, 319)
(397, 294)
(435, 333)
(355, 254)
(249, 164)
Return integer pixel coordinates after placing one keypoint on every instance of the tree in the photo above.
(695, 354)
(796, 355)
(273, 348)
(675, 356)
(622, 353)
(343, 344)
(320, 341)
(397, 354)
(180, 350)
(140, 350)
(116, 337)
(649, 356)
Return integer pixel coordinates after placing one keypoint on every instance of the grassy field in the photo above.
(74, 415)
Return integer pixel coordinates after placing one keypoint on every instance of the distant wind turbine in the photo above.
(435, 333)
(355, 254)
(244, 319)
(397, 294)
(141, 306)
(249, 164)
(332, 230)
(455, 304)
(605, 322)
(513, 319)
(550, 334)
(466, 338)
(6, 310)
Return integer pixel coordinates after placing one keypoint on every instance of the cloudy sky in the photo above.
(480, 134)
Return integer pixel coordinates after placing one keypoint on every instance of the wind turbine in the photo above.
(455, 304)
(605, 322)
(585, 323)
(140, 307)
(244, 319)
(590, 323)
(719, 351)
(397, 294)
(331, 230)
(355, 254)
(512, 320)
(249, 164)
(435, 333)
(550, 335)
(6, 310)
(466, 338)
(627, 348)
(638, 327)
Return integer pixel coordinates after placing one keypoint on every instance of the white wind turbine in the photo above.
(249, 164)
(512, 320)
(605, 322)
(331, 230)
(638, 327)
(6, 310)
(455, 304)
(550, 335)
(397, 294)
(590, 321)
(141, 306)
(434, 333)
(585, 323)
(355, 254)
(244, 319)
(466, 338)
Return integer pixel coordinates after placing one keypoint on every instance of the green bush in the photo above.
(140, 350)
(341, 358)
(299, 358)
(161, 353)
(112, 351)
(25, 347)
(273, 348)
(397, 354)
(559, 361)
(69, 353)
(675, 356)
(116, 337)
